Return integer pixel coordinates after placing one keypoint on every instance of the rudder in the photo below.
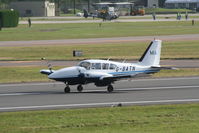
(151, 56)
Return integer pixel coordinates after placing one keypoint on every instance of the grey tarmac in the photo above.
(185, 37)
(39, 96)
(100, 21)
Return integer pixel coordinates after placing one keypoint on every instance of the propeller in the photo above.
(50, 67)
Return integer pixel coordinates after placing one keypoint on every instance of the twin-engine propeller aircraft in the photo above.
(106, 72)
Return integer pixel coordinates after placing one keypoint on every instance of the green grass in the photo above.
(170, 50)
(165, 10)
(92, 30)
(182, 118)
(21, 74)
(31, 74)
(182, 72)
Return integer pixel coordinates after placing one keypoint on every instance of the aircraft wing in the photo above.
(105, 76)
(114, 77)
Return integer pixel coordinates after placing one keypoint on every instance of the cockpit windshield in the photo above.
(85, 64)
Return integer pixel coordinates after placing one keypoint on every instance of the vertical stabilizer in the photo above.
(151, 56)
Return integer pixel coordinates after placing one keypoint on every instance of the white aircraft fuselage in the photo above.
(106, 72)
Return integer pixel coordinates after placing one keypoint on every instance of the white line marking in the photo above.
(159, 88)
(149, 88)
(99, 104)
(126, 89)
(19, 94)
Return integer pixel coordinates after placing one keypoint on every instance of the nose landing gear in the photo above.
(67, 89)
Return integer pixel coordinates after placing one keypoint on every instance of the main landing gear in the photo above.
(110, 88)
(79, 88)
(67, 88)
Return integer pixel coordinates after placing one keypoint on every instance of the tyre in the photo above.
(79, 88)
(110, 88)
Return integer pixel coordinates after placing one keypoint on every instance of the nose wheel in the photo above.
(79, 88)
(110, 88)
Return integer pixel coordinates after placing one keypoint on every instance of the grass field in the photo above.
(165, 10)
(92, 30)
(31, 74)
(170, 50)
(182, 118)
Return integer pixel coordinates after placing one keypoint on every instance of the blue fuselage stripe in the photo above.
(132, 72)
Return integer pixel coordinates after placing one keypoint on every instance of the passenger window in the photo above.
(112, 66)
(123, 69)
(96, 66)
(105, 66)
(130, 68)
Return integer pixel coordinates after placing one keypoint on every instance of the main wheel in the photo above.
(67, 89)
(110, 88)
(79, 88)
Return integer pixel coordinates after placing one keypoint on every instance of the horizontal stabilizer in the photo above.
(165, 68)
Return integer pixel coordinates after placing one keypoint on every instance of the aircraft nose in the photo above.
(64, 73)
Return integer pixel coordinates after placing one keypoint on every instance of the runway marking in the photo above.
(149, 88)
(99, 104)
(19, 94)
(57, 83)
(159, 88)
(126, 89)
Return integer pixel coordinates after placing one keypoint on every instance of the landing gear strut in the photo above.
(110, 88)
(79, 88)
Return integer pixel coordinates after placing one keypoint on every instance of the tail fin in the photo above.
(151, 56)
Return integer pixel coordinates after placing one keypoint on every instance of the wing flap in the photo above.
(114, 77)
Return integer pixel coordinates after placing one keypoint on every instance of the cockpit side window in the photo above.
(105, 66)
(96, 66)
(112, 66)
(86, 65)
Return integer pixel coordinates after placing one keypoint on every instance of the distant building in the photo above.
(152, 3)
(34, 8)
(189, 4)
